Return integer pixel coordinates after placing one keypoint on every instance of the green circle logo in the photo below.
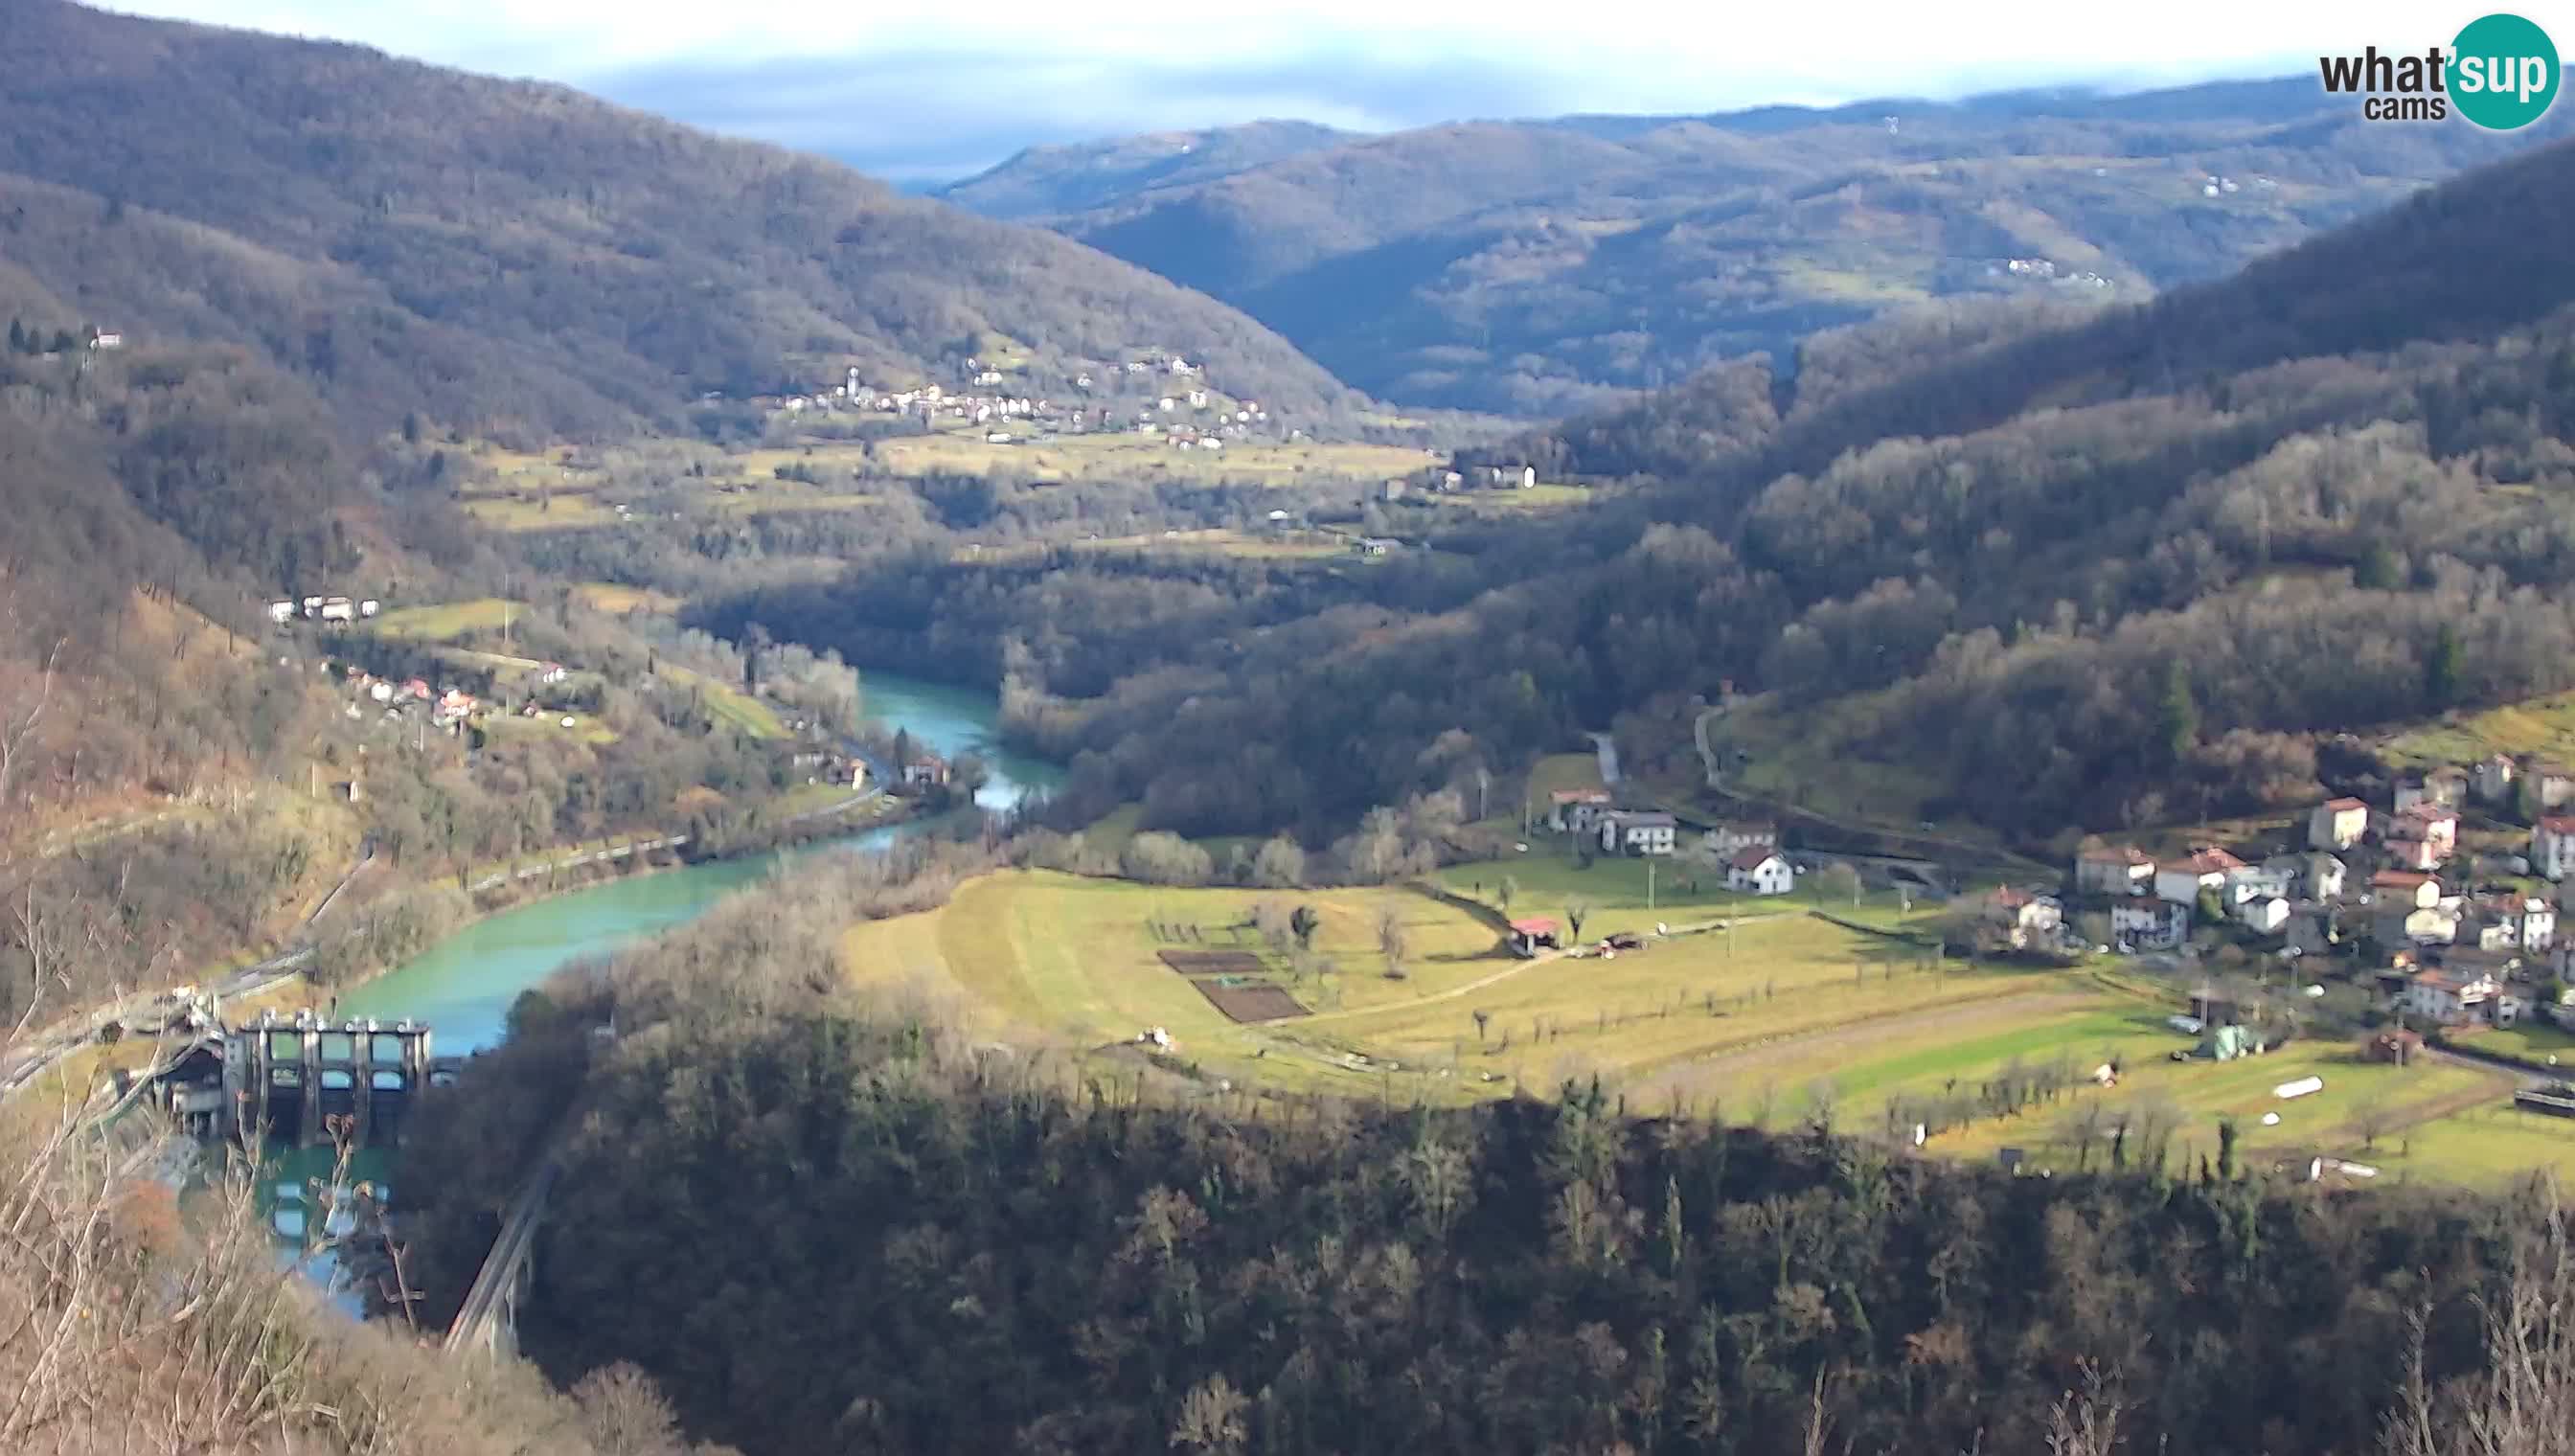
(2503, 72)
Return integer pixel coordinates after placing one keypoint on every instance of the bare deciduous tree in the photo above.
(2523, 1402)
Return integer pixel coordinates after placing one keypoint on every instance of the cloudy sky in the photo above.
(916, 99)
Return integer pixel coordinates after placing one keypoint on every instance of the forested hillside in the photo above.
(515, 257)
(2326, 494)
(1542, 266)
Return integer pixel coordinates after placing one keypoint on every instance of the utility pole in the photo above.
(1650, 884)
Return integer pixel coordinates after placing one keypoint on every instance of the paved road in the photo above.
(2479, 1062)
(41, 1051)
(1707, 758)
(1609, 751)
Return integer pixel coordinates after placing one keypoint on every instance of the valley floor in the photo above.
(1761, 1013)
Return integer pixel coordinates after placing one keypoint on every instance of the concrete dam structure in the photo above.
(300, 1080)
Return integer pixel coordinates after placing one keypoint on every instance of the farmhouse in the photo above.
(1574, 810)
(2551, 784)
(2264, 914)
(2337, 823)
(2304, 876)
(1729, 837)
(1759, 870)
(2447, 1000)
(2183, 881)
(2404, 888)
(2114, 869)
(926, 771)
(2411, 854)
(1631, 831)
(2429, 925)
(2493, 778)
(2323, 877)
(2552, 847)
(2021, 917)
(2248, 882)
(2523, 923)
(2150, 925)
(1530, 936)
(2445, 787)
(2435, 825)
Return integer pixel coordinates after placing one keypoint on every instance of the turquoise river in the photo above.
(462, 987)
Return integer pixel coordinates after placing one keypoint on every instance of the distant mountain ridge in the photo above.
(1053, 180)
(1546, 266)
(494, 253)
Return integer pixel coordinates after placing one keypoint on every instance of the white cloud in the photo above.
(1051, 72)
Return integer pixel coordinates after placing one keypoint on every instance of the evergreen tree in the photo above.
(2441, 671)
(2378, 570)
(17, 337)
(2178, 720)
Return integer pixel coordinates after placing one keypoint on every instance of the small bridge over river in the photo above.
(488, 1321)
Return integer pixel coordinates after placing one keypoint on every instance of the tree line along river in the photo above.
(464, 985)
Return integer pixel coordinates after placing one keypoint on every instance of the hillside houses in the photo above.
(1113, 398)
(327, 610)
(2389, 863)
(2416, 885)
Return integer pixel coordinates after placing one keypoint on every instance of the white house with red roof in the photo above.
(2114, 869)
(2414, 854)
(2552, 847)
(1759, 870)
(2446, 999)
(2405, 886)
(2337, 823)
(2181, 880)
(2436, 824)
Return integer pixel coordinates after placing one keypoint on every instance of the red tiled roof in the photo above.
(2119, 854)
(1534, 925)
(2433, 813)
(2557, 824)
(2344, 805)
(2209, 860)
(2399, 879)
(1580, 796)
(1752, 859)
